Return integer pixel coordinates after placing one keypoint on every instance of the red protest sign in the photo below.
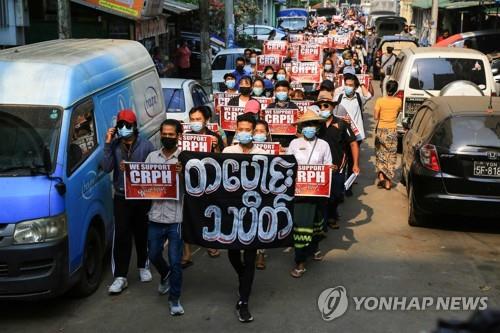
(313, 181)
(305, 72)
(303, 105)
(272, 60)
(276, 47)
(228, 117)
(214, 127)
(309, 52)
(221, 99)
(264, 101)
(144, 181)
(341, 41)
(270, 148)
(294, 50)
(363, 79)
(323, 41)
(196, 142)
(281, 121)
(295, 38)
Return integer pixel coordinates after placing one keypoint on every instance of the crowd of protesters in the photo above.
(330, 131)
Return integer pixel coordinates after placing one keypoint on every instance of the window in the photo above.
(435, 73)
(219, 62)
(199, 96)
(174, 100)
(83, 138)
(263, 31)
(488, 43)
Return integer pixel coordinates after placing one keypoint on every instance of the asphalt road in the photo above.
(375, 253)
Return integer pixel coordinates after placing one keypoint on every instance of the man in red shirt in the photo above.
(183, 55)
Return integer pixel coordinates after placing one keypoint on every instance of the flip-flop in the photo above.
(186, 263)
(318, 256)
(297, 273)
(213, 253)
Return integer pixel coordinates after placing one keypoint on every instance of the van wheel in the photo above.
(415, 216)
(92, 265)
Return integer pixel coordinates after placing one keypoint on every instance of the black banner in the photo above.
(236, 201)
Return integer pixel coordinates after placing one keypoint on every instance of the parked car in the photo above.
(423, 72)
(261, 32)
(224, 62)
(181, 95)
(389, 25)
(397, 42)
(495, 69)
(486, 41)
(451, 158)
(57, 101)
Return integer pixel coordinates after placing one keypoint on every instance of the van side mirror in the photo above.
(406, 122)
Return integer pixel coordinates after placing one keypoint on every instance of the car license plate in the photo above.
(486, 169)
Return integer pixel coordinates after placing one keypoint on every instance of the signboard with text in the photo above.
(305, 72)
(196, 142)
(228, 117)
(146, 181)
(313, 181)
(281, 121)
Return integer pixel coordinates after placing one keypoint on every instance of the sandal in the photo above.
(213, 253)
(318, 256)
(333, 225)
(260, 263)
(388, 185)
(297, 273)
(186, 263)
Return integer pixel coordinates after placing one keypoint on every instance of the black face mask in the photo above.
(239, 68)
(169, 143)
(245, 91)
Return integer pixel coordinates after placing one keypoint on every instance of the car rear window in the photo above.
(435, 73)
(398, 46)
(458, 132)
(174, 100)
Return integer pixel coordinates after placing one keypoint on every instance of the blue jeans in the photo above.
(158, 233)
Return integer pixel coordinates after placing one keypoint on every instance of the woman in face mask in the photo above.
(245, 85)
(308, 223)
(230, 82)
(269, 80)
(252, 66)
(258, 88)
(328, 72)
(281, 75)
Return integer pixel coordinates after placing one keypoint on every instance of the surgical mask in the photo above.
(328, 67)
(245, 91)
(244, 137)
(258, 91)
(269, 76)
(125, 132)
(325, 114)
(281, 96)
(169, 143)
(309, 132)
(347, 62)
(260, 137)
(231, 84)
(196, 126)
(281, 77)
(253, 61)
(349, 90)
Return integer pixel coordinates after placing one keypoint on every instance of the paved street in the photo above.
(375, 253)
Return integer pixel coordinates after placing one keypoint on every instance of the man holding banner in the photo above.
(165, 218)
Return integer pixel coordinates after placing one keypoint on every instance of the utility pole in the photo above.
(229, 22)
(206, 52)
(434, 21)
(63, 19)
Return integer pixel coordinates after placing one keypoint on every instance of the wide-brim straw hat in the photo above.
(309, 115)
(325, 97)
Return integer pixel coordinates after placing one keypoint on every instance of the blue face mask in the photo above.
(281, 77)
(258, 91)
(230, 84)
(325, 114)
(309, 132)
(347, 62)
(349, 90)
(282, 96)
(260, 137)
(196, 126)
(125, 132)
(245, 137)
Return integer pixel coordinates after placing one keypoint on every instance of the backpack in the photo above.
(360, 102)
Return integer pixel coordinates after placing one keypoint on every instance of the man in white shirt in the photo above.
(245, 127)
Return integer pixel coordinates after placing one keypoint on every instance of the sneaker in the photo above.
(118, 285)
(244, 315)
(145, 275)
(176, 308)
(164, 285)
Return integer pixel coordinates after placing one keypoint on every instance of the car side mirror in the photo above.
(494, 71)
(406, 123)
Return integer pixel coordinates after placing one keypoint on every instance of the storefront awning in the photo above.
(178, 7)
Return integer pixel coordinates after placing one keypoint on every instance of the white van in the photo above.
(422, 73)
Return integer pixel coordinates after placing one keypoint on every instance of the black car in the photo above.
(451, 158)
(397, 42)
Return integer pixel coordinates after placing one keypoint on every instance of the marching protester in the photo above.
(245, 89)
(247, 53)
(258, 87)
(281, 75)
(282, 98)
(328, 71)
(123, 144)
(308, 216)
(387, 109)
(371, 44)
(269, 80)
(387, 61)
(347, 67)
(230, 82)
(244, 264)
(240, 70)
(339, 136)
(297, 95)
(165, 219)
(251, 67)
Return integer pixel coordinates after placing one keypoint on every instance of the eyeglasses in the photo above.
(122, 124)
(324, 105)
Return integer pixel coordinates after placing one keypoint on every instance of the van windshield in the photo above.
(294, 24)
(29, 139)
(435, 73)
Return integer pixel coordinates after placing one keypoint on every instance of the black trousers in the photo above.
(350, 161)
(245, 270)
(131, 221)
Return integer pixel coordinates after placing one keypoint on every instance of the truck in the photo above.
(292, 19)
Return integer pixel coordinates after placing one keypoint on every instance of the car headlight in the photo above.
(41, 230)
